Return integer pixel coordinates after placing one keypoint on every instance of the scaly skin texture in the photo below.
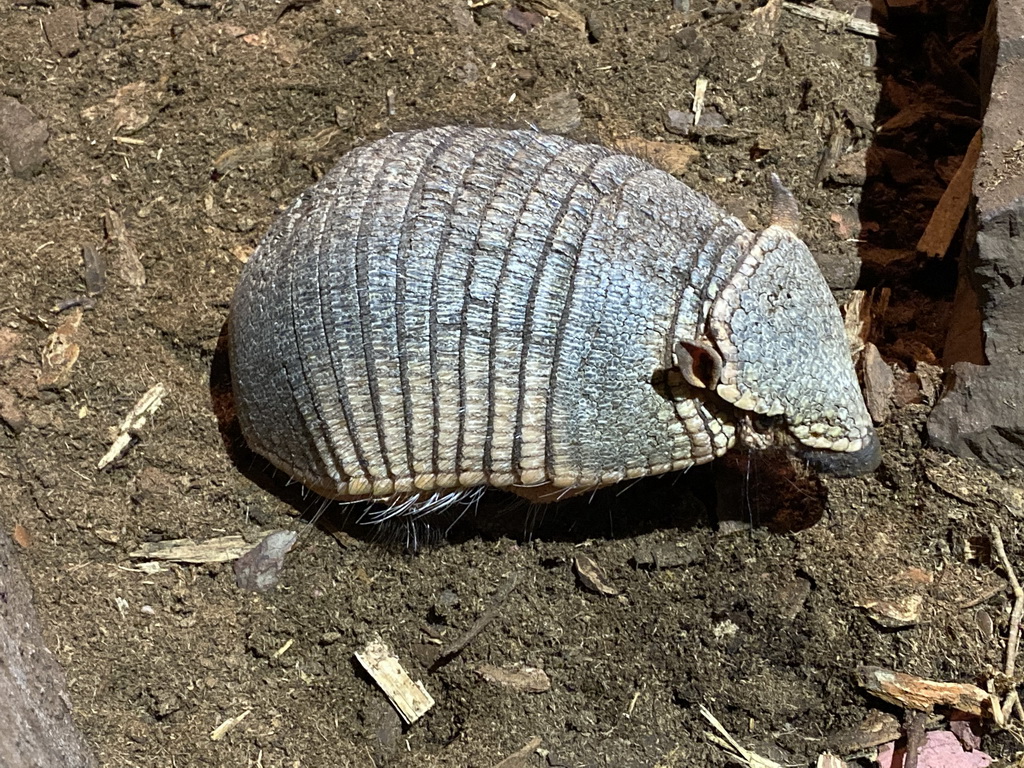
(459, 307)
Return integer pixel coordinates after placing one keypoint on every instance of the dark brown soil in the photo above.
(197, 123)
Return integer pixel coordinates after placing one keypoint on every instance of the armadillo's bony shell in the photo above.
(459, 307)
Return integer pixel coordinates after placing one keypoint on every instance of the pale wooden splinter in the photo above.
(409, 697)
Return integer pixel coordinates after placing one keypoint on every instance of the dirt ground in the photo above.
(195, 122)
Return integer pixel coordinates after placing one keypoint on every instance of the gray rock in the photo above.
(36, 730)
(23, 139)
(559, 113)
(982, 412)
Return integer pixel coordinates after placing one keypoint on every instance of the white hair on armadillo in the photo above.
(462, 307)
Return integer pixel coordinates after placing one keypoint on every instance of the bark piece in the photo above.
(917, 693)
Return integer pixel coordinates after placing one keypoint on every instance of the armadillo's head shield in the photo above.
(785, 354)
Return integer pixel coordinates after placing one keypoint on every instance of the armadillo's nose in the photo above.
(847, 464)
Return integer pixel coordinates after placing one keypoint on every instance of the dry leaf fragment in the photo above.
(875, 729)
(279, 44)
(556, 10)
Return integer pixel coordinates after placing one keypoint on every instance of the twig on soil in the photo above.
(846, 20)
(133, 422)
(984, 597)
(1013, 639)
(916, 735)
(221, 730)
(450, 651)
(222, 549)
(518, 758)
(729, 744)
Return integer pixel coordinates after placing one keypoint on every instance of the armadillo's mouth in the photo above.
(755, 431)
(845, 463)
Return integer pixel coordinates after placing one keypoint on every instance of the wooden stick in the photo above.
(450, 651)
(1018, 604)
(946, 217)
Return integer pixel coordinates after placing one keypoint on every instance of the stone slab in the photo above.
(36, 730)
(982, 413)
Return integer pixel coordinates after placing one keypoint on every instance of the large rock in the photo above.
(982, 412)
(23, 139)
(35, 715)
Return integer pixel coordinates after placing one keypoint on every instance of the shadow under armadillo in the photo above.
(766, 489)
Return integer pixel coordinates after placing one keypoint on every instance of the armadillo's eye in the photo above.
(765, 424)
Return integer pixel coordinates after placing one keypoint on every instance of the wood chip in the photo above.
(60, 353)
(760, 27)
(876, 729)
(410, 698)
(700, 89)
(837, 19)
(222, 730)
(894, 614)
(222, 549)
(917, 693)
(859, 311)
(133, 423)
(95, 270)
(592, 578)
(879, 384)
(946, 218)
(126, 261)
(857, 321)
(524, 679)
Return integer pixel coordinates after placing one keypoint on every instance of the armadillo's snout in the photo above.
(846, 464)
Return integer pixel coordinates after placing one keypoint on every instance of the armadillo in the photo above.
(460, 307)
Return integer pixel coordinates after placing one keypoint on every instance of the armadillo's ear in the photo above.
(785, 211)
(699, 363)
